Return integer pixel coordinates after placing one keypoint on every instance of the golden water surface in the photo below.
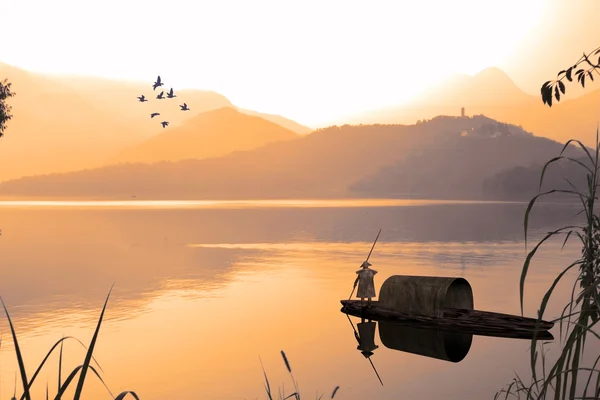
(203, 291)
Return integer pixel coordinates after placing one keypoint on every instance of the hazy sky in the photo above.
(311, 61)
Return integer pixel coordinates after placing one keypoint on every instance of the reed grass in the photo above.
(281, 392)
(81, 369)
(580, 315)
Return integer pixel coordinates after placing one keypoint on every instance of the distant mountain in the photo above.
(492, 93)
(457, 165)
(489, 89)
(54, 129)
(522, 182)
(68, 123)
(321, 164)
(444, 157)
(120, 97)
(209, 134)
(279, 120)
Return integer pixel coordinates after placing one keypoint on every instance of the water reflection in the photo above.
(66, 257)
(365, 336)
(433, 343)
(446, 345)
(418, 339)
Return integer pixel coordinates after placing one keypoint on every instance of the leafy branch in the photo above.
(553, 89)
(5, 114)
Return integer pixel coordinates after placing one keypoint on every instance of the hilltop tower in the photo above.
(462, 112)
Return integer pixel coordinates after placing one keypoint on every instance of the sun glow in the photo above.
(312, 61)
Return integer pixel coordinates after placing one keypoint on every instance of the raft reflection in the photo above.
(433, 343)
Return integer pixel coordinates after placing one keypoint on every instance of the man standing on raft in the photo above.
(366, 284)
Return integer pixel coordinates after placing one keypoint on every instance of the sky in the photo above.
(311, 61)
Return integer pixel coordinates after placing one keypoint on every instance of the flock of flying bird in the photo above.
(160, 96)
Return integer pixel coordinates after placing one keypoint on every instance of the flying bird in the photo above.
(142, 98)
(164, 124)
(170, 95)
(154, 115)
(157, 83)
(184, 107)
(160, 96)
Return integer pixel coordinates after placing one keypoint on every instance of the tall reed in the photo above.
(281, 392)
(581, 313)
(81, 369)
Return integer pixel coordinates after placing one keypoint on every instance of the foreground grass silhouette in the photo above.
(281, 392)
(83, 368)
(563, 380)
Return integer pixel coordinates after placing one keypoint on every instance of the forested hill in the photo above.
(446, 157)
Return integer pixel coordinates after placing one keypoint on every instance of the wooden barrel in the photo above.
(433, 343)
(425, 295)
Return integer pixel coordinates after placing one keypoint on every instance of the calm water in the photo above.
(203, 289)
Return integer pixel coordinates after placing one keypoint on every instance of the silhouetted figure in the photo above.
(154, 115)
(170, 94)
(160, 96)
(366, 338)
(164, 124)
(366, 284)
(142, 98)
(157, 83)
(184, 107)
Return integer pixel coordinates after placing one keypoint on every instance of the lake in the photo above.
(203, 291)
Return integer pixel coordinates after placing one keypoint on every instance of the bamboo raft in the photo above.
(445, 304)
(482, 323)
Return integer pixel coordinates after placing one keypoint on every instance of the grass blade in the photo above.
(580, 145)
(545, 167)
(70, 378)
(530, 256)
(61, 341)
(267, 385)
(289, 368)
(60, 364)
(122, 395)
(19, 355)
(66, 383)
(88, 356)
(532, 202)
(566, 239)
(335, 390)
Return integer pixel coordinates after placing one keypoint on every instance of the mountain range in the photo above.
(116, 96)
(64, 124)
(209, 134)
(492, 93)
(521, 183)
(80, 136)
(446, 157)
